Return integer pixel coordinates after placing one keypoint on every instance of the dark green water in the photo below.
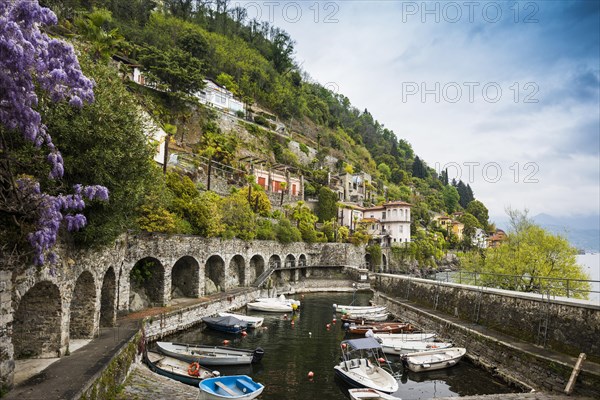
(291, 351)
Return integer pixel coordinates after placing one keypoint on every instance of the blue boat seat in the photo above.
(246, 387)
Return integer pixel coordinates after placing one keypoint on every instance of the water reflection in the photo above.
(301, 343)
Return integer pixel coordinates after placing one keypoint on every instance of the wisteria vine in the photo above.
(30, 58)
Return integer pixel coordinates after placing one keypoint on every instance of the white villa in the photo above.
(219, 97)
(388, 223)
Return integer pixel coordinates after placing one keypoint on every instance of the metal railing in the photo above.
(563, 287)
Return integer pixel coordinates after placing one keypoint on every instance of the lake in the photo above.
(591, 264)
(292, 350)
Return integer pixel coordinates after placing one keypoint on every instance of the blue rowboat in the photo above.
(230, 387)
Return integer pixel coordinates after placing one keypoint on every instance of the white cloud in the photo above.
(371, 55)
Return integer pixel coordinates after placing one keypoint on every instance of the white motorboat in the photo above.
(345, 309)
(377, 317)
(210, 355)
(398, 347)
(433, 359)
(371, 394)
(361, 366)
(404, 337)
(270, 306)
(253, 322)
(280, 299)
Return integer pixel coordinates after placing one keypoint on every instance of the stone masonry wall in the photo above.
(117, 260)
(573, 328)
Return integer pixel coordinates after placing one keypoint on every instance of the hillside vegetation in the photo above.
(178, 44)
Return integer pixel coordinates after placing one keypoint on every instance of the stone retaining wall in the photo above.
(517, 365)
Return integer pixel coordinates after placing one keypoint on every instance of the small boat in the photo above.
(403, 337)
(432, 360)
(364, 318)
(226, 324)
(253, 322)
(371, 394)
(380, 327)
(210, 355)
(230, 387)
(361, 367)
(270, 306)
(344, 309)
(179, 370)
(392, 346)
(280, 299)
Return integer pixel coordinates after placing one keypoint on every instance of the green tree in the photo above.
(286, 233)
(327, 204)
(238, 218)
(179, 70)
(94, 27)
(479, 211)
(529, 253)
(385, 171)
(451, 197)
(104, 143)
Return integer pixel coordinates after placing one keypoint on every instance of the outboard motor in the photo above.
(346, 325)
(404, 361)
(257, 355)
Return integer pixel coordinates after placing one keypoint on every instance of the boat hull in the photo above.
(371, 394)
(253, 322)
(433, 359)
(230, 387)
(411, 346)
(210, 355)
(379, 328)
(363, 377)
(270, 306)
(171, 370)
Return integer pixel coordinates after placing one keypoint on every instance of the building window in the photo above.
(383, 215)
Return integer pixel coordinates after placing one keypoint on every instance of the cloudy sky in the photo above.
(504, 94)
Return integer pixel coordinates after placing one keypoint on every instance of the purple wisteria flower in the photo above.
(29, 58)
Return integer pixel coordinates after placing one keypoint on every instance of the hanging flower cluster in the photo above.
(29, 58)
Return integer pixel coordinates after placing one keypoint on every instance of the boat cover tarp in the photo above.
(225, 321)
(361, 344)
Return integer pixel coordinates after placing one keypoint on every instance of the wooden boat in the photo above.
(432, 360)
(371, 394)
(230, 387)
(253, 322)
(179, 370)
(226, 324)
(210, 355)
(403, 337)
(360, 366)
(364, 318)
(345, 309)
(379, 327)
(270, 306)
(398, 347)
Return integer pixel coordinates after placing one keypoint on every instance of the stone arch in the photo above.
(146, 284)
(290, 261)
(107, 298)
(368, 262)
(274, 261)
(37, 322)
(384, 265)
(215, 272)
(257, 267)
(302, 261)
(237, 270)
(83, 307)
(185, 278)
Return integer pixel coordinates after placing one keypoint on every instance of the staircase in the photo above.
(265, 275)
